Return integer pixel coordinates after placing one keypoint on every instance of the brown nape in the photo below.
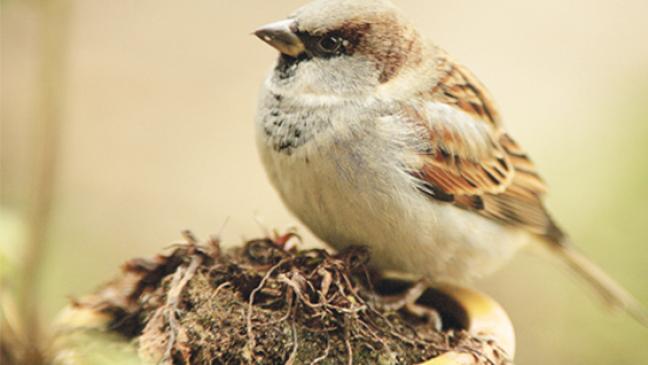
(354, 33)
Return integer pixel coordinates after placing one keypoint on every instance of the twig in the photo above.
(53, 42)
(189, 237)
(293, 355)
(325, 355)
(180, 279)
(251, 340)
(171, 316)
(218, 289)
(289, 296)
(295, 287)
(347, 342)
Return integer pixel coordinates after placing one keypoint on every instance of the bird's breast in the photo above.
(342, 175)
(323, 157)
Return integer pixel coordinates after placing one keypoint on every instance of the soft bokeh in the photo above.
(156, 135)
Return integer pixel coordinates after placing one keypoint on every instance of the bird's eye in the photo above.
(330, 44)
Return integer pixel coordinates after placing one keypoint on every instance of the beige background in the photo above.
(157, 136)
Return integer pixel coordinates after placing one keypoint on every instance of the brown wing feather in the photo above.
(453, 166)
(499, 182)
(459, 87)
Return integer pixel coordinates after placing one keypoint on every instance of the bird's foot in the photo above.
(407, 301)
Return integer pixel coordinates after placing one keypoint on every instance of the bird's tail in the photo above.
(610, 291)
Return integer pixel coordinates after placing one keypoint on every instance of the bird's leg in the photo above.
(407, 302)
(429, 314)
(411, 295)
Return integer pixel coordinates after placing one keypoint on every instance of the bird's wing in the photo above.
(468, 160)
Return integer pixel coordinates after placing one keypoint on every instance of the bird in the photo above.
(375, 136)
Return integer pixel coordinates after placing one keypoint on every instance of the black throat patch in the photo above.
(287, 66)
(288, 127)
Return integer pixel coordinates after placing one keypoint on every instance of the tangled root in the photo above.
(265, 304)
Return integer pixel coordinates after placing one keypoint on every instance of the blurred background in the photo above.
(125, 122)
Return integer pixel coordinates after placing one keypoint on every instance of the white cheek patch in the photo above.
(350, 76)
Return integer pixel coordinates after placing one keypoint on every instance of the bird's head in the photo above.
(342, 47)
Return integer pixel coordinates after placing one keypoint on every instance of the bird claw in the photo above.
(429, 314)
(407, 302)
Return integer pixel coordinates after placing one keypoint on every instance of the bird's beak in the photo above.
(281, 35)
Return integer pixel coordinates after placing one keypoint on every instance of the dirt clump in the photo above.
(265, 304)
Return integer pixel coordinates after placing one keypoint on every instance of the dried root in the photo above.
(266, 303)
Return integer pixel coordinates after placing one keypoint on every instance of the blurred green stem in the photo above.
(53, 51)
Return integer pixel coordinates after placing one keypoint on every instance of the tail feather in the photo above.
(610, 291)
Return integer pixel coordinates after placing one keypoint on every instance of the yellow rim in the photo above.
(451, 358)
(486, 319)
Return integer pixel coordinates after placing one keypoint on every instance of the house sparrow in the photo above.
(374, 136)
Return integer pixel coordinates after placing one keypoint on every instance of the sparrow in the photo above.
(374, 136)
